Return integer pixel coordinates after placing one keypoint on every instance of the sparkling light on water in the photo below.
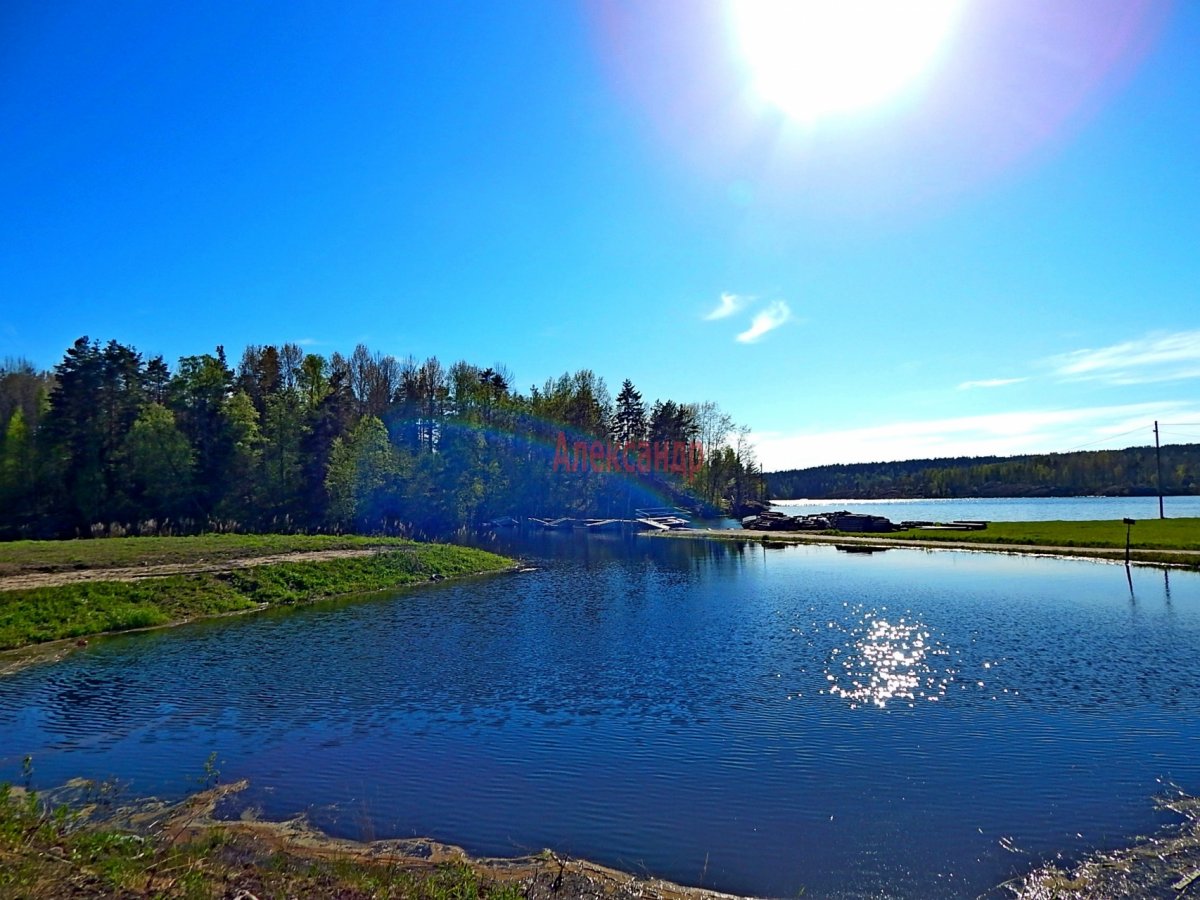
(886, 661)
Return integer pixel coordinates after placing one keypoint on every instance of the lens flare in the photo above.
(814, 59)
(866, 111)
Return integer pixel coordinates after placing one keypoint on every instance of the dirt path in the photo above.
(801, 537)
(133, 573)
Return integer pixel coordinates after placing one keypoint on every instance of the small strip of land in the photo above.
(25, 557)
(55, 578)
(52, 592)
(1173, 542)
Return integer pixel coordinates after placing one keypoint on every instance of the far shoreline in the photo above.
(1173, 557)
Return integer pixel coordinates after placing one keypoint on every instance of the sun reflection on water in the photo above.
(889, 661)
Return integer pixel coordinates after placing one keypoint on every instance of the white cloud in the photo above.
(728, 305)
(989, 383)
(767, 320)
(1153, 358)
(999, 434)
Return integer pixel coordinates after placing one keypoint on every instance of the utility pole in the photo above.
(1158, 469)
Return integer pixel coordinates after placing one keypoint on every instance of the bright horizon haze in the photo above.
(972, 230)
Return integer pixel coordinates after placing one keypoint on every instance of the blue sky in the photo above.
(1000, 256)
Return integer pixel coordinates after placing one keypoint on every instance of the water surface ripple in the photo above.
(764, 720)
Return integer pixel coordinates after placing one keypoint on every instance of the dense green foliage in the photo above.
(36, 615)
(111, 443)
(1082, 473)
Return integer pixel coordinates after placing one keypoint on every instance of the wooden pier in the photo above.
(658, 518)
(662, 518)
(561, 524)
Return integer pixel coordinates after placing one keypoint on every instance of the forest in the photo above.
(110, 442)
(1132, 471)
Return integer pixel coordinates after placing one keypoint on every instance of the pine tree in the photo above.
(629, 422)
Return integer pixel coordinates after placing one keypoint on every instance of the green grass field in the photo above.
(1147, 534)
(1174, 542)
(36, 615)
(104, 553)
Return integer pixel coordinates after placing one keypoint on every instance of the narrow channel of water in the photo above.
(759, 720)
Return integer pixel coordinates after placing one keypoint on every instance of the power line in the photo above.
(1107, 438)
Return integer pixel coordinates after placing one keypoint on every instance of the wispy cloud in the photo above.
(1155, 357)
(767, 320)
(727, 306)
(999, 434)
(989, 383)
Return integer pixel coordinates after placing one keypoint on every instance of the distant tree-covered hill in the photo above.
(1130, 471)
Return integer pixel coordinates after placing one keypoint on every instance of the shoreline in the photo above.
(538, 875)
(14, 659)
(1174, 558)
(250, 857)
(58, 616)
(1169, 857)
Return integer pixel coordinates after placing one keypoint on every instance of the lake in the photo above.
(1004, 509)
(757, 720)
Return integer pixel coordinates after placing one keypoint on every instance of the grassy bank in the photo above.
(1147, 534)
(92, 845)
(52, 852)
(1174, 542)
(36, 615)
(107, 553)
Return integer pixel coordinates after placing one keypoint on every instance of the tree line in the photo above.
(285, 440)
(1132, 471)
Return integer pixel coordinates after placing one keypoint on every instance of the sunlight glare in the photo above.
(815, 58)
(888, 661)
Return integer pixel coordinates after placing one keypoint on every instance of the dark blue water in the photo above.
(767, 721)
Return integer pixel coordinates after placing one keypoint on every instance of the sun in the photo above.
(818, 58)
